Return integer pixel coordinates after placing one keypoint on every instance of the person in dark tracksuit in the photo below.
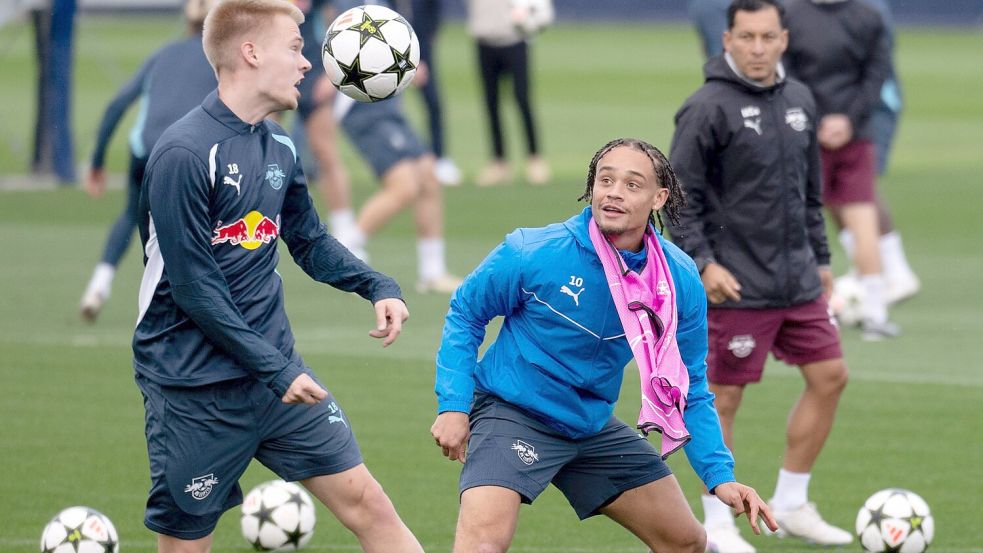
(213, 350)
(168, 85)
(746, 151)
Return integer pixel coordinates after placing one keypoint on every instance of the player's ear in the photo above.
(661, 197)
(248, 52)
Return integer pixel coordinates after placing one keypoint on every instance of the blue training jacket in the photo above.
(561, 352)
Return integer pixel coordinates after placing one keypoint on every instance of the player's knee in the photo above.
(692, 539)
(485, 547)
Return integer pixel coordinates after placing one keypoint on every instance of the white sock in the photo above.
(893, 258)
(101, 282)
(342, 221)
(430, 258)
(716, 513)
(846, 240)
(791, 491)
(873, 305)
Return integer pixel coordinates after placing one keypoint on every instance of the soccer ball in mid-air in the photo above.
(277, 516)
(79, 530)
(895, 521)
(846, 300)
(370, 53)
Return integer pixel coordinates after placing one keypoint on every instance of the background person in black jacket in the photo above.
(839, 49)
(745, 150)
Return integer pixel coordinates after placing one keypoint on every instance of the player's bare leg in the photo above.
(429, 208)
(400, 188)
(170, 544)
(721, 528)
(809, 425)
(361, 505)
(811, 419)
(487, 521)
(658, 514)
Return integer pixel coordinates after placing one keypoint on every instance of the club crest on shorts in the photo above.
(201, 486)
(741, 346)
(526, 452)
(275, 176)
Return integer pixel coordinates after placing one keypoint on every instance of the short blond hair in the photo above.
(232, 20)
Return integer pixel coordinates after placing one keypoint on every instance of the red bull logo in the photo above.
(250, 232)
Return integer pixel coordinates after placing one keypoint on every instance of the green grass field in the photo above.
(72, 419)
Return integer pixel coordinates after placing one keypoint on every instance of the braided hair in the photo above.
(663, 172)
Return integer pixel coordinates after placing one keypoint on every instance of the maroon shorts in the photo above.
(850, 174)
(740, 339)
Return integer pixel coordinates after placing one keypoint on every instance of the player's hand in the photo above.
(720, 284)
(389, 316)
(323, 90)
(826, 277)
(451, 431)
(304, 390)
(95, 182)
(835, 131)
(743, 499)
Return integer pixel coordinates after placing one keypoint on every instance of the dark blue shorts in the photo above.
(510, 449)
(382, 135)
(200, 440)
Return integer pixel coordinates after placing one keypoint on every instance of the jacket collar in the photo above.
(214, 106)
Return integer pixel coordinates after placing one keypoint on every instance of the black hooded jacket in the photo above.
(748, 161)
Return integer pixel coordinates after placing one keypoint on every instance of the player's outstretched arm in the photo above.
(390, 314)
(743, 499)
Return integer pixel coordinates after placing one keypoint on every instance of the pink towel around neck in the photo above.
(639, 298)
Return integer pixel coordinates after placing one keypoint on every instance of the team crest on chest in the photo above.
(275, 176)
(796, 118)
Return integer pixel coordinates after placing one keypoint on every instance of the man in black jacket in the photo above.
(745, 150)
(839, 49)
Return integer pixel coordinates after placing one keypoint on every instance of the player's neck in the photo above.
(244, 102)
(629, 240)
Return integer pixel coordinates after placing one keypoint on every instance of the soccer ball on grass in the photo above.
(895, 521)
(370, 53)
(79, 530)
(277, 516)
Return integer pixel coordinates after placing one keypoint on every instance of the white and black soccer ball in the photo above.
(79, 530)
(846, 301)
(895, 521)
(370, 53)
(277, 516)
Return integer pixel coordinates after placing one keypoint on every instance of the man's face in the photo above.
(625, 192)
(281, 64)
(757, 42)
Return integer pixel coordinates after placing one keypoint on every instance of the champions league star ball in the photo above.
(277, 516)
(895, 521)
(370, 53)
(79, 530)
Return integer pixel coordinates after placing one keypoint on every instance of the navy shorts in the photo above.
(382, 135)
(510, 449)
(740, 339)
(201, 439)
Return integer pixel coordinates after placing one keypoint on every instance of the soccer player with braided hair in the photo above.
(580, 299)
